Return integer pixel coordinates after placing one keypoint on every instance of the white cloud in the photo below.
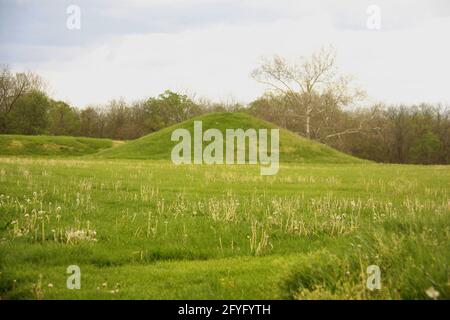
(404, 62)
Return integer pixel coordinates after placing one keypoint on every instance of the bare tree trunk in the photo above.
(308, 123)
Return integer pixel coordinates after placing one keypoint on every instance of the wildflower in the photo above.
(75, 236)
(50, 285)
(432, 293)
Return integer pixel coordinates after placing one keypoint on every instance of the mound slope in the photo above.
(293, 148)
(22, 145)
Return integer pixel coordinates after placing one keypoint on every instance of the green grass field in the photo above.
(147, 229)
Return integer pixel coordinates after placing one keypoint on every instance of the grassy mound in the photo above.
(21, 145)
(293, 148)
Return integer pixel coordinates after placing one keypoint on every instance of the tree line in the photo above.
(309, 98)
(416, 134)
(25, 108)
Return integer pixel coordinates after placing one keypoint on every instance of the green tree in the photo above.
(30, 114)
(63, 119)
(91, 123)
(169, 108)
(426, 148)
(14, 86)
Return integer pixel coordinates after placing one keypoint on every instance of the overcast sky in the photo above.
(136, 49)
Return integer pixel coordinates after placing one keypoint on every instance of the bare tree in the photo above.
(305, 80)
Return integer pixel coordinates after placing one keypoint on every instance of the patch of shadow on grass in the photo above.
(168, 254)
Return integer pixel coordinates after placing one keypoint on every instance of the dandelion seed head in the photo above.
(432, 293)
